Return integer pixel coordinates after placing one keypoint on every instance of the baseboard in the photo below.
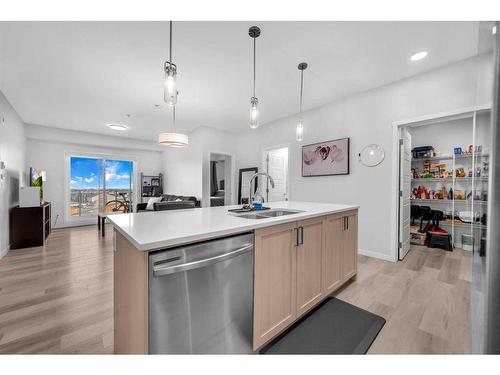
(4, 252)
(375, 254)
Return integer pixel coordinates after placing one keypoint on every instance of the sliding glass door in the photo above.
(118, 185)
(98, 184)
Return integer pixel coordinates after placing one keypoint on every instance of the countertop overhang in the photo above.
(149, 231)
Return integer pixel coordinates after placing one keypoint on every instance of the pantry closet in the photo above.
(448, 180)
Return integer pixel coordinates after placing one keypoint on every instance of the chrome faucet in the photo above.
(251, 181)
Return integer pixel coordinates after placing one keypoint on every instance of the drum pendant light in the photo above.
(254, 33)
(299, 131)
(173, 139)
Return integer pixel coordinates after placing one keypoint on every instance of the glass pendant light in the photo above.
(170, 88)
(299, 130)
(254, 33)
(173, 139)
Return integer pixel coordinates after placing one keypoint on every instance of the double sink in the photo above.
(267, 214)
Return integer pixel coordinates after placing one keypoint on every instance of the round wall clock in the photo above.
(371, 155)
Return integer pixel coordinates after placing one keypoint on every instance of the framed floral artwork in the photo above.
(328, 158)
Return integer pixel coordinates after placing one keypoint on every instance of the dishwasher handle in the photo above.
(167, 270)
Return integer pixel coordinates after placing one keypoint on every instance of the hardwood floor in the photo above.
(424, 298)
(58, 299)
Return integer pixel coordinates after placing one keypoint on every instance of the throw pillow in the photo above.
(151, 202)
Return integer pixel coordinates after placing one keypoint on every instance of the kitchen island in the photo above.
(299, 259)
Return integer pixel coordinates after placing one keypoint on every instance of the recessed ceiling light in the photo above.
(494, 30)
(419, 56)
(118, 127)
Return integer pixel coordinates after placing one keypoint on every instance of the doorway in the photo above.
(443, 173)
(221, 185)
(275, 164)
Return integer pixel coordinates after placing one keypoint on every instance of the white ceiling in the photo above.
(83, 75)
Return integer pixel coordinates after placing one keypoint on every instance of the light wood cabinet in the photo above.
(350, 246)
(332, 252)
(274, 281)
(297, 265)
(309, 264)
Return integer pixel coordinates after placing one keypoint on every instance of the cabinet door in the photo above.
(309, 260)
(274, 281)
(350, 246)
(332, 252)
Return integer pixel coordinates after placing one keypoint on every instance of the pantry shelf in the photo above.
(460, 201)
(449, 157)
(458, 179)
(460, 224)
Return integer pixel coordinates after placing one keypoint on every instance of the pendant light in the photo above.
(254, 33)
(170, 87)
(299, 131)
(173, 139)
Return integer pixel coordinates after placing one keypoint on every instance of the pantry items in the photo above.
(460, 173)
(459, 195)
(457, 183)
(467, 242)
(450, 194)
(423, 152)
(442, 193)
(466, 216)
(432, 170)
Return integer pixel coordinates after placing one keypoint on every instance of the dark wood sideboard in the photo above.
(29, 226)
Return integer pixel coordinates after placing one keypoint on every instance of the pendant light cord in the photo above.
(254, 67)
(301, 89)
(170, 42)
(173, 117)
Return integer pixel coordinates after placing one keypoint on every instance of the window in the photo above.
(99, 184)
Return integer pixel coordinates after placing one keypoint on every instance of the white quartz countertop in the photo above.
(162, 229)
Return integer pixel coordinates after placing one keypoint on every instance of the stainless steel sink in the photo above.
(268, 214)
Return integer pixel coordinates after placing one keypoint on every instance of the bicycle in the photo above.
(117, 205)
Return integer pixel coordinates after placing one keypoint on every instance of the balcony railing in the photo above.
(89, 202)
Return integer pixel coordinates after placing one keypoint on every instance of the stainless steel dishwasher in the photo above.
(201, 298)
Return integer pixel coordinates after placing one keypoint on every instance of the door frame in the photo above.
(396, 132)
(205, 190)
(263, 163)
(67, 219)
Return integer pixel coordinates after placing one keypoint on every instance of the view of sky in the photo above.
(86, 173)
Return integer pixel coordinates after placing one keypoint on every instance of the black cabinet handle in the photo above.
(296, 236)
(301, 235)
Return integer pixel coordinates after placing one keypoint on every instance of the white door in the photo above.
(404, 192)
(276, 165)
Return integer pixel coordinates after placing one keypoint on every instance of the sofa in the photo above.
(172, 202)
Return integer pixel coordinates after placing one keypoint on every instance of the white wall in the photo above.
(47, 149)
(12, 151)
(182, 167)
(187, 170)
(367, 118)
